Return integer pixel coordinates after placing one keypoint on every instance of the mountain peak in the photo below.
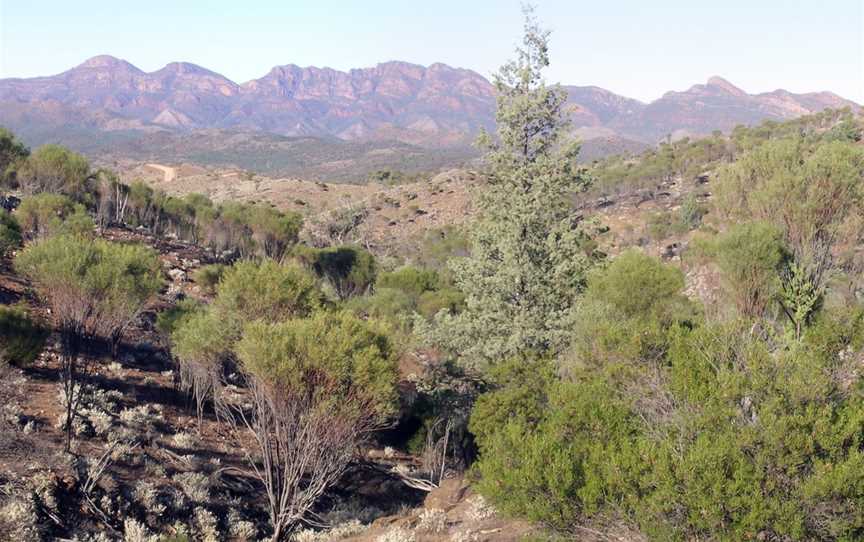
(106, 61)
(185, 68)
(718, 82)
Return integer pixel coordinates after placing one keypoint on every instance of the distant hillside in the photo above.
(313, 158)
(106, 106)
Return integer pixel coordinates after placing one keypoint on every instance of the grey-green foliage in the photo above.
(528, 254)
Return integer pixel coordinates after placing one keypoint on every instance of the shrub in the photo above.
(10, 234)
(208, 276)
(432, 520)
(350, 270)
(519, 393)
(751, 256)
(266, 290)
(134, 531)
(195, 485)
(812, 193)
(168, 320)
(450, 300)
(95, 289)
(12, 153)
(201, 340)
(319, 387)
(43, 214)
(638, 286)
(397, 534)
(52, 168)
(21, 340)
(691, 212)
(552, 472)
(722, 438)
(411, 280)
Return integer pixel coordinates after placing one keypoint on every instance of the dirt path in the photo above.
(169, 172)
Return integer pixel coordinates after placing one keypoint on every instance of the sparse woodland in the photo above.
(281, 387)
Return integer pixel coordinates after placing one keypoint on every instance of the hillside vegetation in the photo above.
(661, 347)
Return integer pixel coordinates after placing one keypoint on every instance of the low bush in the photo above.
(10, 233)
(722, 436)
(208, 276)
(21, 339)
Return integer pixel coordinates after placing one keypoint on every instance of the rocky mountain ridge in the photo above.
(434, 106)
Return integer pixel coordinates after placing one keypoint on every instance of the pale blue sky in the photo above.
(638, 48)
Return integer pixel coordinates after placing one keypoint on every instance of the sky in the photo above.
(637, 48)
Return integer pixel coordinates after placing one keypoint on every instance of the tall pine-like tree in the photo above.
(529, 253)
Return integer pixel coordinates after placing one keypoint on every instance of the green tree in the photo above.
(46, 214)
(52, 168)
(528, 252)
(274, 232)
(12, 153)
(95, 289)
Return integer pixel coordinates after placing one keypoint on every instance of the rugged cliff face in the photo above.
(431, 106)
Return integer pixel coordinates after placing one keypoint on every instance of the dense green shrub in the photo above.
(519, 393)
(724, 439)
(168, 320)
(12, 153)
(413, 281)
(21, 339)
(319, 387)
(37, 213)
(425, 290)
(208, 276)
(751, 257)
(639, 286)
(446, 299)
(53, 168)
(266, 290)
(350, 271)
(10, 233)
(343, 354)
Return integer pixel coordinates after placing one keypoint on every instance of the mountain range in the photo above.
(432, 107)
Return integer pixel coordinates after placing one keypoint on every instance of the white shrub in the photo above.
(136, 532)
(397, 534)
(339, 532)
(19, 516)
(351, 510)
(240, 528)
(206, 525)
(432, 520)
(479, 509)
(184, 440)
(147, 495)
(195, 485)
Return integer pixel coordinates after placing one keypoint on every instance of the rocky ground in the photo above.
(140, 451)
